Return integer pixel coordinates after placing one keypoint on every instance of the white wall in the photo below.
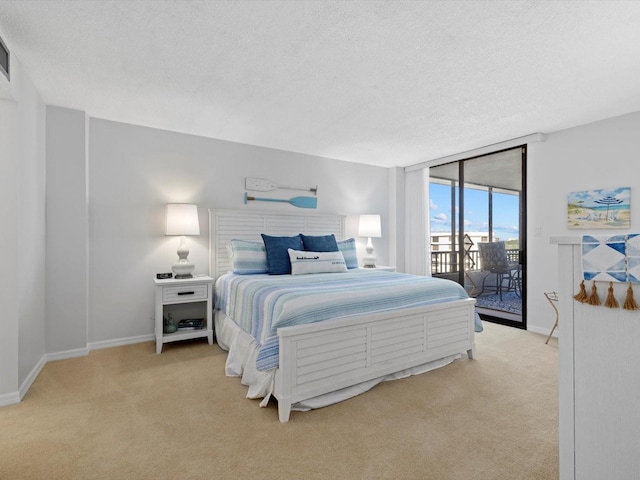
(22, 216)
(67, 231)
(397, 207)
(134, 171)
(31, 231)
(598, 155)
(9, 192)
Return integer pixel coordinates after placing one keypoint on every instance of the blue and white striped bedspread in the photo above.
(260, 304)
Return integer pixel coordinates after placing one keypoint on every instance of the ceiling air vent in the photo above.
(4, 59)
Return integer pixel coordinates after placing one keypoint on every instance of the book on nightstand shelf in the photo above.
(191, 324)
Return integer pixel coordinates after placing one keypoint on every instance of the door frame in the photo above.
(522, 220)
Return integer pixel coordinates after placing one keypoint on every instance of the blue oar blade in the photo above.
(304, 202)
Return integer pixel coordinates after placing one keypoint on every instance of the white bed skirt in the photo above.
(241, 360)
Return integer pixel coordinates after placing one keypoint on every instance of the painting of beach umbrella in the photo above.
(608, 201)
(610, 208)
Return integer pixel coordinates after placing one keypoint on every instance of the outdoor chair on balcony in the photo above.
(494, 261)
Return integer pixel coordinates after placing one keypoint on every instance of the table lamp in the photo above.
(182, 219)
(369, 227)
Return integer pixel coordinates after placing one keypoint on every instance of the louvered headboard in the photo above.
(225, 225)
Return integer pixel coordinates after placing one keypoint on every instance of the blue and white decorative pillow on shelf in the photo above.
(604, 258)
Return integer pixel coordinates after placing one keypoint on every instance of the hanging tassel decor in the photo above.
(593, 298)
(629, 301)
(611, 301)
(581, 296)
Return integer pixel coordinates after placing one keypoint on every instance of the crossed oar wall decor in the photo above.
(262, 185)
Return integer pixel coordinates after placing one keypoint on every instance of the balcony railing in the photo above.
(445, 261)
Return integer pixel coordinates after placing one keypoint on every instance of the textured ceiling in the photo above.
(390, 83)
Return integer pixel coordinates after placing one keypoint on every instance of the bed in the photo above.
(314, 339)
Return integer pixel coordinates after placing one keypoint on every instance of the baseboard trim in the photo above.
(33, 374)
(542, 331)
(119, 342)
(16, 397)
(79, 352)
(9, 399)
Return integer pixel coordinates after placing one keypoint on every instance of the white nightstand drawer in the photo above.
(184, 293)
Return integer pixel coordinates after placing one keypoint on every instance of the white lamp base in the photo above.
(183, 268)
(369, 260)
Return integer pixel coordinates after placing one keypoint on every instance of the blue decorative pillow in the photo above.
(278, 252)
(248, 257)
(321, 243)
(348, 249)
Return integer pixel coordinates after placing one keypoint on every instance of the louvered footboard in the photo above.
(326, 356)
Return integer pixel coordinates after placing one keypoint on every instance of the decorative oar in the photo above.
(300, 202)
(262, 185)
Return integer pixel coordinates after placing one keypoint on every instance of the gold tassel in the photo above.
(581, 296)
(611, 301)
(593, 298)
(629, 301)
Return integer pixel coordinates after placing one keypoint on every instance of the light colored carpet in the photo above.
(127, 413)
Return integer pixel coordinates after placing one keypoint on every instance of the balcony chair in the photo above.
(494, 261)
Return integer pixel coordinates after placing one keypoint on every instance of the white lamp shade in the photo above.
(182, 219)
(370, 226)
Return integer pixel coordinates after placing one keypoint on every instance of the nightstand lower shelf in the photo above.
(185, 335)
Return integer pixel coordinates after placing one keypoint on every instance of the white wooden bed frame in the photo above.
(327, 356)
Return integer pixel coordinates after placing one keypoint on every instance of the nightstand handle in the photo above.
(186, 293)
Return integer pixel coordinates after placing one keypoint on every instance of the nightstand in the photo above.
(381, 267)
(182, 297)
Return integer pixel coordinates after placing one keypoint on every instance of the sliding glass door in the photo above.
(477, 230)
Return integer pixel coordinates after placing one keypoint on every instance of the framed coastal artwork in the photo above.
(606, 208)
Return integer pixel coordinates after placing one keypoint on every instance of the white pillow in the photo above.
(316, 262)
(348, 249)
(247, 257)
